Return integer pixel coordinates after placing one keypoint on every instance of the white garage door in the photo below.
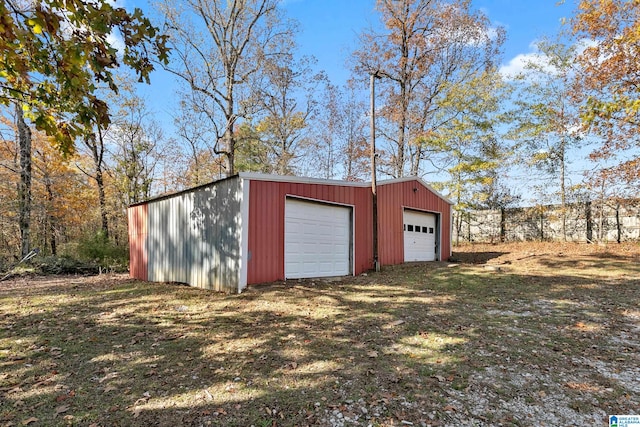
(419, 236)
(316, 240)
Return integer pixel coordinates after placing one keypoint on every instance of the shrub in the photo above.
(105, 254)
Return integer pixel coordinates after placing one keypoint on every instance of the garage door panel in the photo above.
(419, 236)
(317, 239)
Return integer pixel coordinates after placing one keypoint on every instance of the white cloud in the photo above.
(117, 3)
(518, 64)
(116, 41)
(115, 38)
(584, 44)
(537, 60)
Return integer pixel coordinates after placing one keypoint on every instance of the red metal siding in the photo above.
(392, 199)
(266, 224)
(138, 216)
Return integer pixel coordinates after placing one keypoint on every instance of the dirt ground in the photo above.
(537, 334)
(531, 252)
(599, 286)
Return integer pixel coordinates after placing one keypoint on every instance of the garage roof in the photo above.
(299, 179)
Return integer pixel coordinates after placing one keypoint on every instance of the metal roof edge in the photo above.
(420, 180)
(301, 179)
(256, 176)
(180, 192)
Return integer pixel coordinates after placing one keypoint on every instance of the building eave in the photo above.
(255, 176)
(419, 180)
(300, 179)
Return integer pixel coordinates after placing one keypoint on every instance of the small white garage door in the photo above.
(419, 236)
(317, 240)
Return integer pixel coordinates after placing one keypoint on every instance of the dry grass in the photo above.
(526, 334)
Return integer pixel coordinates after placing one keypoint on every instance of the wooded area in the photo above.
(78, 143)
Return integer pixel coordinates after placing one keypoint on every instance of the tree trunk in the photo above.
(350, 151)
(602, 218)
(102, 199)
(230, 153)
(24, 188)
(228, 134)
(618, 224)
(401, 132)
(563, 194)
(589, 221)
(50, 217)
(97, 153)
(415, 161)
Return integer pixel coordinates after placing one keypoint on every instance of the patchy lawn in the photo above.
(523, 335)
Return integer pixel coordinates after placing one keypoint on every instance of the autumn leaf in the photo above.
(109, 376)
(608, 78)
(61, 409)
(62, 98)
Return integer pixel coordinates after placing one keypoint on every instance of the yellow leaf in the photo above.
(37, 28)
(25, 108)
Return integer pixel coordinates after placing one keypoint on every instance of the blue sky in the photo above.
(329, 28)
(329, 31)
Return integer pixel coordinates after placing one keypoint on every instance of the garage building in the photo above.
(253, 228)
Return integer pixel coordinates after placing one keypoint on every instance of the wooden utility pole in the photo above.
(374, 190)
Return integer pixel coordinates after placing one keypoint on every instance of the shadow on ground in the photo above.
(423, 343)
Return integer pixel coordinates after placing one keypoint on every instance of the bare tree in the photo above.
(95, 144)
(286, 97)
(327, 125)
(137, 142)
(195, 133)
(341, 139)
(220, 45)
(427, 47)
(548, 123)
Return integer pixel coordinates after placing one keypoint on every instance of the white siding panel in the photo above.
(196, 237)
